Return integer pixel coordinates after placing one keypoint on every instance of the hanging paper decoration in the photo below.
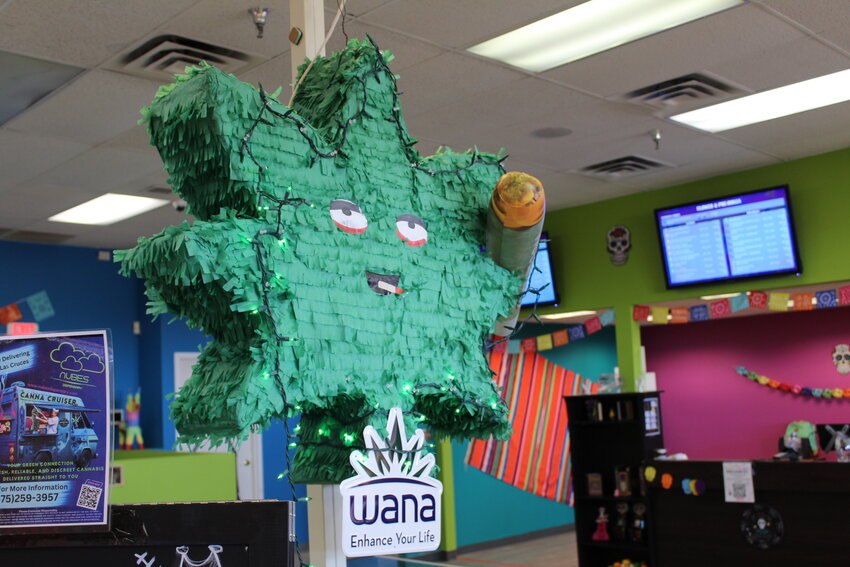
(40, 305)
(514, 346)
(803, 301)
(739, 302)
(536, 457)
(720, 308)
(778, 301)
(529, 344)
(660, 315)
(797, 389)
(501, 346)
(758, 300)
(10, 313)
(679, 315)
(544, 342)
(607, 317)
(593, 325)
(274, 266)
(699, 313)
(560, 338)
(844, 295)
(826, 298)
(576, 332)
(640, 312)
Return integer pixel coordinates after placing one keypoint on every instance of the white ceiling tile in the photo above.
(519, 105)
(463, 24)
(102, 169)
(228, 24)
(440, 81)
(828, 18)
(84, 32)
(356, 8)
(36, 202)
(689, 48)
(136, 138)
(23, 156)
(571, 189)
(783, 64)
(272, 74)
(406, 51)
(798, 135)
(92, 109)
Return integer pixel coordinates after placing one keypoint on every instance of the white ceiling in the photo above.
(82, 140)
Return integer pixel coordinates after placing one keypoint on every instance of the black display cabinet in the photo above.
(612, 436)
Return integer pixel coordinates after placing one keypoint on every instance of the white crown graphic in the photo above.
(395, 456)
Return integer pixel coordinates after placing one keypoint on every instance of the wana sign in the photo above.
(392, 505)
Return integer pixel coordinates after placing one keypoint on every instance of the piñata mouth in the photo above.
(383, 284)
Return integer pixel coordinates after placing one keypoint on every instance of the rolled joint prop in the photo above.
(514, 223)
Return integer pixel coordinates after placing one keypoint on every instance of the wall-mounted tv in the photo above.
(735, 237)
(538, 278)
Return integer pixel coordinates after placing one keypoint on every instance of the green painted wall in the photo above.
(164, 476)
(488, 509)
(820, 196)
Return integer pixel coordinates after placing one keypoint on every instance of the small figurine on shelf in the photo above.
(638, 522)
(628, 563)
(622, 521)
(601, 533)
(133, 427)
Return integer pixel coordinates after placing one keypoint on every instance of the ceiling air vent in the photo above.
(166, 55)
(623, 167)
(695, 89)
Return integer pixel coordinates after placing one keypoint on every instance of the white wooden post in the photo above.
(309, 17)
(324, 510)
(324, 519)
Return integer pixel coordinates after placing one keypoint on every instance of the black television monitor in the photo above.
(540, 277)
(729, 238)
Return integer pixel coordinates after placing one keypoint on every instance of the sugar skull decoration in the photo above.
(841, 358)
(619, 244)
(339, 273)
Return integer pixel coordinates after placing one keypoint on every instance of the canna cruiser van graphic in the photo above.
(43, 427)
(55, 439)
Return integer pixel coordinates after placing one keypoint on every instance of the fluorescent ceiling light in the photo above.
(767, 105)
(568, 315)
(108, 209)
(592, 27)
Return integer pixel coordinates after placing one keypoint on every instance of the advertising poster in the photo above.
(54, 431)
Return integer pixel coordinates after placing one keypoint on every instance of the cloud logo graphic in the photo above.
(72, 359)
(71, 364)
(92, 363)
(65, 350)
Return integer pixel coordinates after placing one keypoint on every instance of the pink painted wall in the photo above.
(711, 412)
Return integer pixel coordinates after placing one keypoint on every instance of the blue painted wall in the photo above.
(86, 293)
(489, 509)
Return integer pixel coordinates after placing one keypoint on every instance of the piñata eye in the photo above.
(411, 229)
(348, 216)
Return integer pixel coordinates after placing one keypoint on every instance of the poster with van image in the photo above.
(55, 438)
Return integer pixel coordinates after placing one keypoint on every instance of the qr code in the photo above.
(739, 490)
(89, 497)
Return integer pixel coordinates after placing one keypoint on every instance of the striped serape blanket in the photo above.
(537, 456)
